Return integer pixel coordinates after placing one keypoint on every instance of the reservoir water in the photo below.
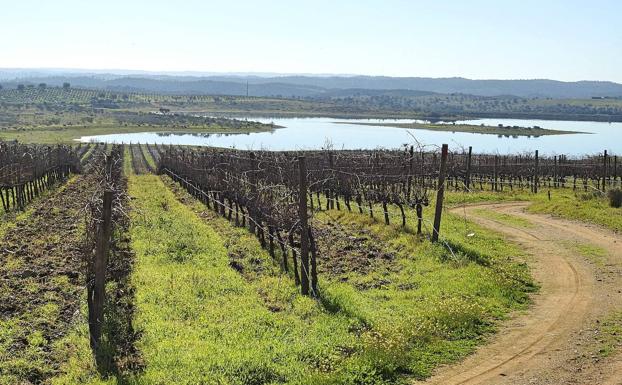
(317, 133)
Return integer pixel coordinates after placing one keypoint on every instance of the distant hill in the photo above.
(311, 86)
(521, 88)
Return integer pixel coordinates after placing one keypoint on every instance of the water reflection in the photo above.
(315, 133)
(199, 134)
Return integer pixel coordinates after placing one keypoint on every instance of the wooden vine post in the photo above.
(604, 170)
(331, 196)
(535, 176)
(615, 168)
(440, 194)
(555, 171)
(313, 262)
(97, 294)
(496, 173)
(467, 176)
(253, 185)
(304, 226)
(411, 154)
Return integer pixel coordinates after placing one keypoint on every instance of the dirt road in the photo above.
(556, 340)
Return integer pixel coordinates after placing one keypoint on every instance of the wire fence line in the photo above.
(28, 170)
(275, 194)
(264, 190)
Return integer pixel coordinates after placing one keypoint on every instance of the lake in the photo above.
(317, 133)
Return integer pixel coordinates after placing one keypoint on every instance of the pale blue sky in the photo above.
(564, 40)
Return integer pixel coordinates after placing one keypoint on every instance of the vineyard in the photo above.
(27, 171)
(365, 102)
(78, 96)
(363, 235)
(311, 193)
(81, 97)
(48, 115)
(598, 172)
(274, 194)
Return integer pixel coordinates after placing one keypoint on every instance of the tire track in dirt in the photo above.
(550, 343)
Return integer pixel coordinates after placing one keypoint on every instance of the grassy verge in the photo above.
(203, 322)
(127, 161)
(432, 306)
(594, 253)
(459, 198)
(610, 340)
(213, 307)
(53, 135)
(507, 219)
(88, 153)
(587, 207)
(424, 308)
(564, 203)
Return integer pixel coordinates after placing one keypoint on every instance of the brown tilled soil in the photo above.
(40, 283)
(346, 250)
(557, 340)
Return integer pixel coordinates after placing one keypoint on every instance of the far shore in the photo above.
(473, 128)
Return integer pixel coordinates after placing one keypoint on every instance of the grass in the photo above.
(68, 135)
(204, 321)
(460, 198)
(10, 219)
(17, 329)
(594, 253)
(88, 152)
(430, 309)
(588, 207)
(610, 340)
(79, 367)
(453, 297)
(150, 161)
(43, 297)
(504, 218)
(127, 161)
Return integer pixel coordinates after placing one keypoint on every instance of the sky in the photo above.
(481, 39)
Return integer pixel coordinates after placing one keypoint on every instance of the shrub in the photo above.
(615, 198)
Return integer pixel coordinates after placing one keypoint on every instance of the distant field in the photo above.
(55, 115)
(52, 135)
(378, 105)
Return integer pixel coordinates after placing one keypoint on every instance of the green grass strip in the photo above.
(508, 219)
(204, 323)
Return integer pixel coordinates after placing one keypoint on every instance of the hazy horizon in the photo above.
(558, 40)
(207, 73)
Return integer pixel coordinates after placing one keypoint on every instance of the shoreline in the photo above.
(473, 129)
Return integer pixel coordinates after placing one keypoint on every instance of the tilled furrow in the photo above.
(40, 264)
